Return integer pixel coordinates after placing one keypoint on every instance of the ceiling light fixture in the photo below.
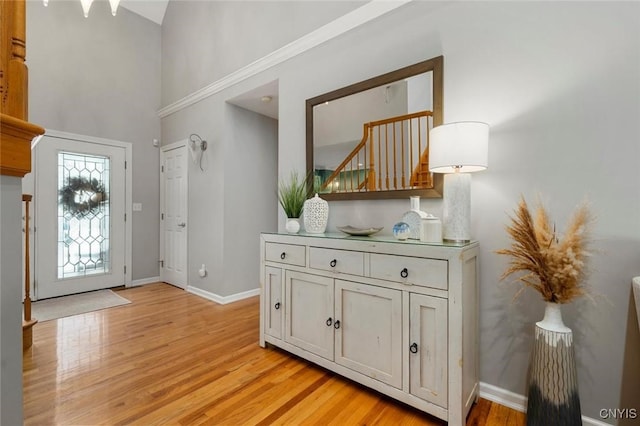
(86, 5)
(266, 99)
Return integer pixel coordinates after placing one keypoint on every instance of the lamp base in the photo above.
(456, 214)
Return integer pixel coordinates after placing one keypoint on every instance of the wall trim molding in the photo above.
(353, 19)
(223, 300)
(143, 281)
(519, 402)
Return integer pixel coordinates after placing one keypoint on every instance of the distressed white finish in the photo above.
(428, 330)
(349, 308)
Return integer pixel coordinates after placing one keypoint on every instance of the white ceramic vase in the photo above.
(316, 215)
(553, 378)
(293, 225)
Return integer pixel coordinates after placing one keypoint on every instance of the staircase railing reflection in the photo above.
(393, 154)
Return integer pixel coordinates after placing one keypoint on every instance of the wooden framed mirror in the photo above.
(370, 140)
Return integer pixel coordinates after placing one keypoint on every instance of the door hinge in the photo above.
(162, 169)
(125, 217)
(161, 216)
(125, 269)
(125, 165)
(161, 263)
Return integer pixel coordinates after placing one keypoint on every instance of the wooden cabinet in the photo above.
(397, 316)
(368, 324)
(273, 306)
(428, 348)
(309, 313)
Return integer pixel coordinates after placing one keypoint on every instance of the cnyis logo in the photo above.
(618, 413)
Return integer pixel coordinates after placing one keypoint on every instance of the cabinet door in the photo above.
(273, 300)
(428, 348)
(368, 327)
(308, 312)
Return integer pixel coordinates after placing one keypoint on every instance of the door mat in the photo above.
(60, 307)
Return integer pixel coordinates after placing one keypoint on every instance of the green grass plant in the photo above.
(292, 194)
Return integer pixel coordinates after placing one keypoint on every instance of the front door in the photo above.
(79, 216)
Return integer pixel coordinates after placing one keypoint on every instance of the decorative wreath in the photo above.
(82, 196)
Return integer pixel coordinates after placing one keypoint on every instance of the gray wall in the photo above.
(10, 297)
(557, 82)
(192, 57)
(203, 41)
(250, 206)
(100, 76)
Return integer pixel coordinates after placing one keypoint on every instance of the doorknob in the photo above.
(182, 225)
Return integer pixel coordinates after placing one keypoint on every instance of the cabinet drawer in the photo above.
(290, 254)
(410, 270)
(343, 261)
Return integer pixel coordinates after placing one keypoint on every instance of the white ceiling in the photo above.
(263, 100)
(153, 10)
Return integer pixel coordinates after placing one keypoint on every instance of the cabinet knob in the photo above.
(404, 273)
(333, 263)
(336, 324)
(277, 305)
(283, 255)
(413, 348)
(329, 322)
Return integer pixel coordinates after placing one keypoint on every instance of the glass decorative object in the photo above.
(401, 230)
(316, 215)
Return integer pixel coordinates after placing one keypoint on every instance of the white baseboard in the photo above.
(223, 300)
(503, 397)
(519, 402)
(144, 281)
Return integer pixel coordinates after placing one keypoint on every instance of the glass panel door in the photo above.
(83, 215)
(80, 205)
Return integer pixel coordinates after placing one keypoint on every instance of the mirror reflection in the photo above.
(370, 140)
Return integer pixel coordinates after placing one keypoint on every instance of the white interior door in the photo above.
(173, 214)
(80, 206)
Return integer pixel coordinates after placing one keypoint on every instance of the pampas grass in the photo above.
(555, 268)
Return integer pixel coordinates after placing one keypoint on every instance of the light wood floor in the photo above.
(174, 358)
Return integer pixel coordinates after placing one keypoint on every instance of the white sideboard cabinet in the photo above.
(400, 317)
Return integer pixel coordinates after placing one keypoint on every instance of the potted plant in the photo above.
(556, 267)
(292, 194)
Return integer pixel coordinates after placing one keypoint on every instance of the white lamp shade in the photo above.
(461, 146)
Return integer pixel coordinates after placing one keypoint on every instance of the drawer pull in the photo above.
(283, 255)
(329, 322)
(404, 273)
(333, 263)
(336, 324)
(277, 305)
(413, 348)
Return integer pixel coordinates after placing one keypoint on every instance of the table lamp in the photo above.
(458, 149)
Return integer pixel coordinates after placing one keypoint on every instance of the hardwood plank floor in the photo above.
(171, 357)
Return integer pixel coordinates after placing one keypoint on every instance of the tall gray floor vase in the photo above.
(553, 380)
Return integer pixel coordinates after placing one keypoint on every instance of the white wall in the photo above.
(558, 83)
(100, 76)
